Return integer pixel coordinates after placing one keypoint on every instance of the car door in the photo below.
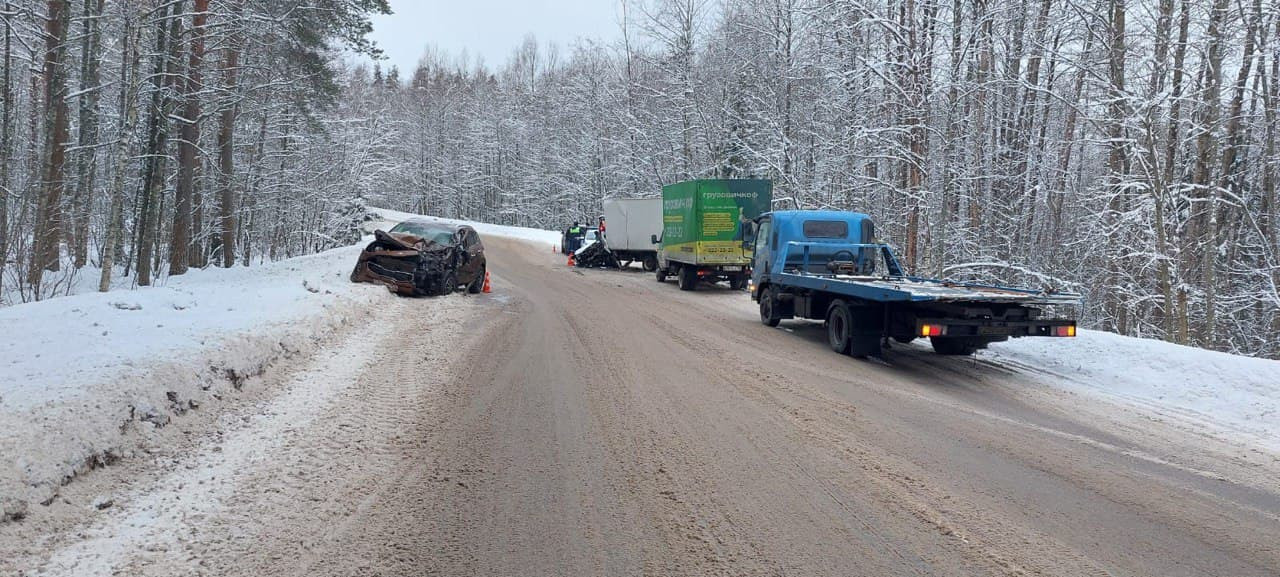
(473, 262)
(762, 254)
(475, 248)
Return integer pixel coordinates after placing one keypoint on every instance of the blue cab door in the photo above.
(762, 255)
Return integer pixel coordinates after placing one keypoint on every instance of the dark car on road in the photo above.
(423, 257)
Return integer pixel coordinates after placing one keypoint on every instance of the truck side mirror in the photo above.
(653, 239)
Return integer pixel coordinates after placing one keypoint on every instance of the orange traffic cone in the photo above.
(571, 261)
(486, 288)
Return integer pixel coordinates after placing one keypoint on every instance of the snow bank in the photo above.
(389, 218)
(1233, 396)
(84, 377)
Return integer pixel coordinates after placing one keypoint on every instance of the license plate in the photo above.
(733, 268)
(999, 331)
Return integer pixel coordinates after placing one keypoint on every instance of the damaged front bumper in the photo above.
(404, 266)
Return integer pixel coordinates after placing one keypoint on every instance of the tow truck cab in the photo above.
(828, 234)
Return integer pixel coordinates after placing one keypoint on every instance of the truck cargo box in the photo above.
(631, 223)
(704, 221)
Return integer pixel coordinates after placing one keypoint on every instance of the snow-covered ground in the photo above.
(86, 378)
(81, 376)
(1234, 397)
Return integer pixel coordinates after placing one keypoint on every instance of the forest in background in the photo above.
(1122, 148)
(144, 138)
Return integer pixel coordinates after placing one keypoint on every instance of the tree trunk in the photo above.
(1205, 215)
(1057, 195)
(1117, 161)
(919, 70)
(979, 130)
(1025, 122)
(129, 62)
(1164, 281)
(6, 139)
(87, 165)
(188, 140)
(1271, 100)
(167, 30)
(45, 249)
(226, 154)
(1230, 153)
(1170, 156)
(948, 203)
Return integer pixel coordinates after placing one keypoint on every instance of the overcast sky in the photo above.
(488, 28)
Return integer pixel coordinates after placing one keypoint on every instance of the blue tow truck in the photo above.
(827, 265)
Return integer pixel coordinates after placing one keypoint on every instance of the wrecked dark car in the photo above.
(422, 257)
(595, 254)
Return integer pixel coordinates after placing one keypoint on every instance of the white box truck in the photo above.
(630, 224)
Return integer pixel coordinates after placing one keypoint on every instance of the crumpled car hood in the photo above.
(400, 260)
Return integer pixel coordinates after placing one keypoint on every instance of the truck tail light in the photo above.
(933, 330)
(1065, 331)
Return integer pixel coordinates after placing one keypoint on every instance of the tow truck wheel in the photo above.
(769, 308)
(838, 326)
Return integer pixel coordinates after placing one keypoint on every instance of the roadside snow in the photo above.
(80, 375)
(67, 342)
(153, 518)
(1232, 396)
(390, 217)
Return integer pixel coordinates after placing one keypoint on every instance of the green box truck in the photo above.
(704, 224)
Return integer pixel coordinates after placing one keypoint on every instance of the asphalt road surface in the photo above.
(595, 423)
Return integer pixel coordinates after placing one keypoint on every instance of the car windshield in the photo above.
(432, 233)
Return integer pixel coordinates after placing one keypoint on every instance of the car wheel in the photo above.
(478, 284)
(688, 278)
(448, 283)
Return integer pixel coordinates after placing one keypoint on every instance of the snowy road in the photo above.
(596, 423)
